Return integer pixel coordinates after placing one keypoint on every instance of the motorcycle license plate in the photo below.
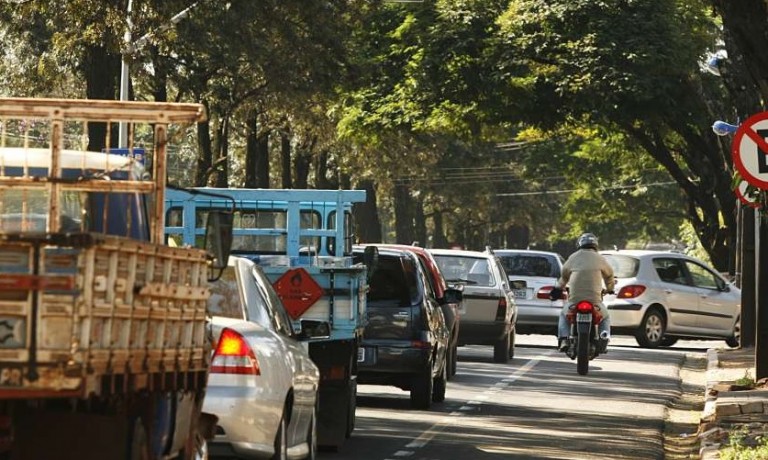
(583, 317)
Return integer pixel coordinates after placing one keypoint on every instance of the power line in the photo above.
(615, 187)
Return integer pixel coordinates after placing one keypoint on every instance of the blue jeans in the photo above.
(563, 328)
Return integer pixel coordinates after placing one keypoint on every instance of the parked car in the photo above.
(262, 383)
(532, 275)
(664, 296)
(450, 300)
(490, 312)
(405, 341)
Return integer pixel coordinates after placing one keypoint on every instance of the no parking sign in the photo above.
(750, 150)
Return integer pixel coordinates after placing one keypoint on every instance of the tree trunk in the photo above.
(302, 163)
(101, 70)
(745, 20)
(420, 222)
(366, 215)
(222, 155)
(205, 155)
(262, 160)
(256, 153)
(438, 237)
(285, 157)
(403, 215)
(518, 237)
(321, 170)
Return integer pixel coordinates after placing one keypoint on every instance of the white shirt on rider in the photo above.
(585, 273)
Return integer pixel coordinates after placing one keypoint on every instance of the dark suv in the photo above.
(405, 338)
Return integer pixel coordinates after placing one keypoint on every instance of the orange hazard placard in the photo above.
(298, 291)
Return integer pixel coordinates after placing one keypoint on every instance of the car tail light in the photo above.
(501, 310)
(544, 292)
(584, 307)
(420, 344)
(631, 291)
(234, 356)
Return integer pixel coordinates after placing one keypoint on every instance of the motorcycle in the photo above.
(584, 342)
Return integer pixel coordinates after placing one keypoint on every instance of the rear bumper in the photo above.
(626, 314)
(482, 333)
(537, 318)
(247, 423)
(383, 363)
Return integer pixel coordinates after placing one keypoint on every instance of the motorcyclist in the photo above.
(585, 273)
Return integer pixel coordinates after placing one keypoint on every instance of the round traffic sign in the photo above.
(750, 150)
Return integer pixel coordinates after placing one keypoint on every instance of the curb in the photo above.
(710, 452)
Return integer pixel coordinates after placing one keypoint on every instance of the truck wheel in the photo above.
(281, 441)
(421, 390)
(439, 384)
(448, 362)
(501, 350)
(352, 409)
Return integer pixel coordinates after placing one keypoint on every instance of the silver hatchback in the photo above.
(663, 296)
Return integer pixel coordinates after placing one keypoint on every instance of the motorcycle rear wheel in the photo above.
(582, 354)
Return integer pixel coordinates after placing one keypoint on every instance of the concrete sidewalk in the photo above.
(730, 404)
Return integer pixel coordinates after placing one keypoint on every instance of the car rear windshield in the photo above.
(393, 282)
(530, 265)
(469, 270)
(623, 266)
(225, 297)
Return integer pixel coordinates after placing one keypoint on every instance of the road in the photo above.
(535, 407)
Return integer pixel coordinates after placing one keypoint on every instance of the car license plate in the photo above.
(583, 317)
(520, 293)
(360, 354)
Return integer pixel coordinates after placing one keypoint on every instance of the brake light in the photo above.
(420, 344)
(501, 310)
(631, 291)
(544, 292)
(234, 356)
(584, 307)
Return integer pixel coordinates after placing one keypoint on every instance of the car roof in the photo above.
(642, 253)
(504, 252)
(460, 253)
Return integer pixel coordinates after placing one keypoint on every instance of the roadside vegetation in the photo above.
(504, 123)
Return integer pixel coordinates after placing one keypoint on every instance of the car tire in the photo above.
(312, 436)
(439, 384)
(281, 441)
(421, 390)
(501, 349)
(651, 331)
(735, 340)
(512, 336)
(668, 341)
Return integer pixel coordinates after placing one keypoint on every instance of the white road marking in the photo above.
(450, 418)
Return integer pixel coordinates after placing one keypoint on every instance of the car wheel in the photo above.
(668, 341)
(651, 330)
(501, 350)
(454, 360)
(281, 441)
(439, 384)
(421, 390)
(735, 340)
(512, 336)
(312, 436)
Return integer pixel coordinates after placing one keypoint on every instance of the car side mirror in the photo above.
(314, 329)
(454, 295)
(218, 239)
(723, 286)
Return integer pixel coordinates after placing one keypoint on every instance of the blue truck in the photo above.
(303, 241)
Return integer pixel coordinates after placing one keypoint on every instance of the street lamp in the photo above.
(722, 128)
(132, 47)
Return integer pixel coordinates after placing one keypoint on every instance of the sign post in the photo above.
(750, 157)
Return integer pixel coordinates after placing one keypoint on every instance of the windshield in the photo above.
(623, 266)
(530, 265)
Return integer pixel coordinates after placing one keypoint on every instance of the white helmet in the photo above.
(587, 241)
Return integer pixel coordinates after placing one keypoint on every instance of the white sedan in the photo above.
(262, 383)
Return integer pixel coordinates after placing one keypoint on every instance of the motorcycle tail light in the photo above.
(584, 307)
(501, 310)
(234, 356)
(631, 291)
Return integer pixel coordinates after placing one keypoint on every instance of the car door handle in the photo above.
(668, 291)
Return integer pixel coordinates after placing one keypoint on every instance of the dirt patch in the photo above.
(683, 413)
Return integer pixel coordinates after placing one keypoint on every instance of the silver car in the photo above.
(490, 313)
(663, 296)
(532, 275)
(262, 383)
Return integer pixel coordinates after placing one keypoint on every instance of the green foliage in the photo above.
(738, 449)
